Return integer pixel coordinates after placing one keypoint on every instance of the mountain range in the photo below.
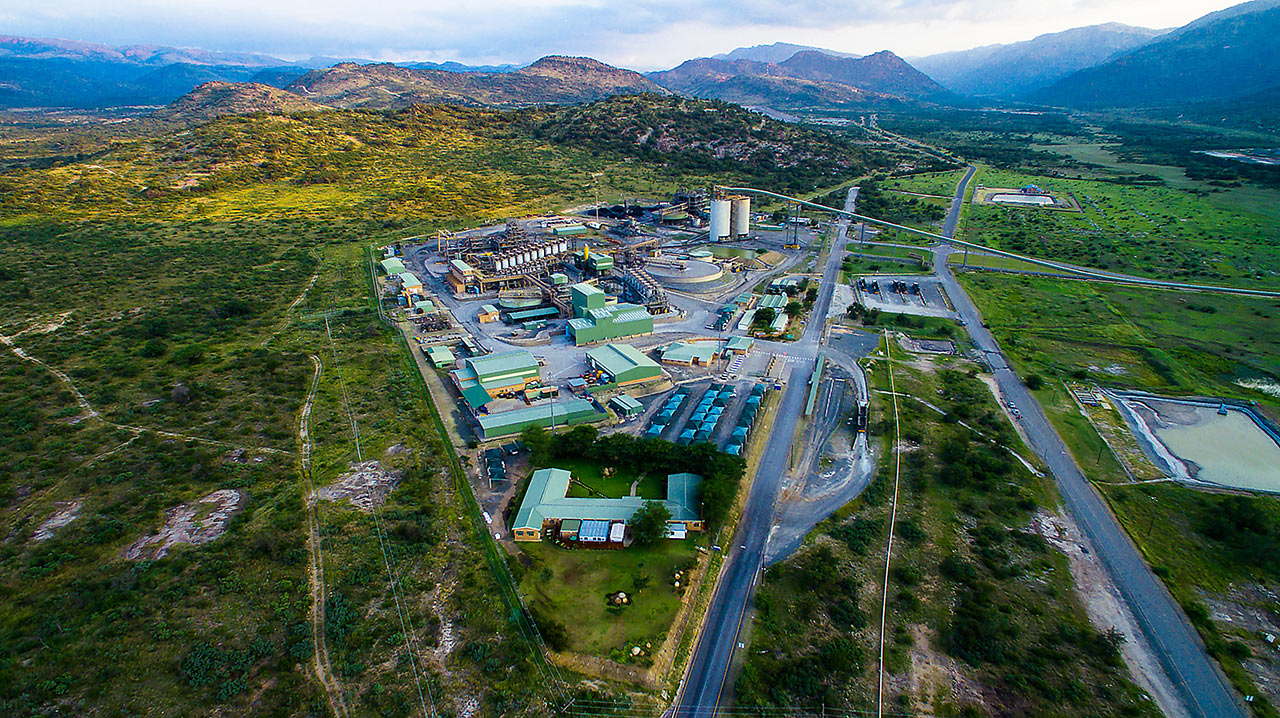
(776, 52)
(1230, 56)
(553, 79)
(807, 78)
(1018, 68)
(1233, 53)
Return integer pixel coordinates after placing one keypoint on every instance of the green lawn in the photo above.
(569, 588)
(589, 476)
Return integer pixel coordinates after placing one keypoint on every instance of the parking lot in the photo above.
(906, 294)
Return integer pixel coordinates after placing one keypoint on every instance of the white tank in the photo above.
(720, 213)
(741, 224)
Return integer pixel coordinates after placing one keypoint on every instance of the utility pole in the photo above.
(595, 178)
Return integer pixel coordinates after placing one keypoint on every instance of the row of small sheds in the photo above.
(746, 421)
(667, 414)
(706, 414)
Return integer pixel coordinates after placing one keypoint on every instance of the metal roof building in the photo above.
(440, 356)
(605, 323)
(623, 364)
(739, 344)
(546, 501)
(625, 405)
(690, 353)
(410, 280)
(494, 374)
(393, 266)
(528, 315)
(560, 412)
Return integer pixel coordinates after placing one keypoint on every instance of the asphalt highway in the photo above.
(706, 686)
(1204, 690)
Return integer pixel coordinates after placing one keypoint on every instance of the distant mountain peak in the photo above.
(1015, 69)
(806, 78)
(1226, 54)
(775, 52)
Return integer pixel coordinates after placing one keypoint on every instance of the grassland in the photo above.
(169, 294)
(1146, 229)
(1172, 344)
(982, 615)
(222, 627)
(1168, 342)
(939, 184)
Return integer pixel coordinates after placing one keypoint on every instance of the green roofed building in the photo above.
(772, 301)
(622, 364)
(440, 356)
(595, 321)
(626, 405)
(564, 413)
(584, 297)
(483, 378)
(617, 322)
(690, 353)
(393, 266)
(739, 344)
(528, 315)
(600, 263)
(546, 504)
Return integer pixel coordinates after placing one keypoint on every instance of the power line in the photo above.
(893, 517)
(409, 635)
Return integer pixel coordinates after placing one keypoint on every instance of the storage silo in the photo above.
(721, 211)
(741, 224)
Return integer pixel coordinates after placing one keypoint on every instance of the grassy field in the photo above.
(982, 615)
(1146, 229)
(942, 184)
(568, 590)
(197, 374)
(1170, 342)
(991, 261)
(162, 305)
(1173, 344)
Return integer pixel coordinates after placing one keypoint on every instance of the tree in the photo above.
(766, 315)
(1034, 382)
(649, 524)
(539, 443)
(794, 309)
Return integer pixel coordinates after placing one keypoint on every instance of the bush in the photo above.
(1034, 382)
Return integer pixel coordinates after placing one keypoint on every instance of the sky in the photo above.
(639, 34)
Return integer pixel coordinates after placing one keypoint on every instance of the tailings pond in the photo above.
(1198, 442)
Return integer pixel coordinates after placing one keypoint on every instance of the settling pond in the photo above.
(1194, 441)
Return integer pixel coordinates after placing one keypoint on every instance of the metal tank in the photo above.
(741, 224)
(721, 210)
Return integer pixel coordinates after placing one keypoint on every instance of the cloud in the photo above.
(639, 33)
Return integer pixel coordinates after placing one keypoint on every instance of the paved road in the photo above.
(1203, 688)
(707, 683)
